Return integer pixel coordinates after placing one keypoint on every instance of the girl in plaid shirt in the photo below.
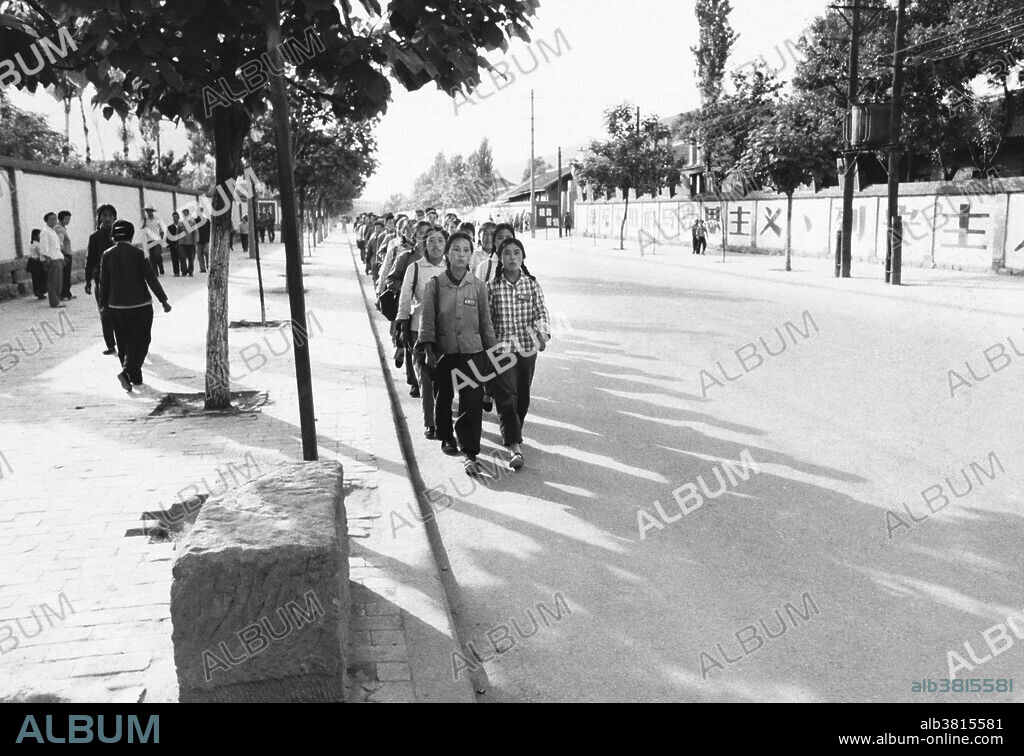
(522, 328)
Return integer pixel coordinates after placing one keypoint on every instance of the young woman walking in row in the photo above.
(418, 274)
(522, 328)
(455, 330)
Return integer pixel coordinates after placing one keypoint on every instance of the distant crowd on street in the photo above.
(467, 320)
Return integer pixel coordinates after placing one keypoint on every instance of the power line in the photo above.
(1003, 34)
(1006, 15)
(1008, 35)
(986, 29)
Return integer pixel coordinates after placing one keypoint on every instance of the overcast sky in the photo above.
(607, 51)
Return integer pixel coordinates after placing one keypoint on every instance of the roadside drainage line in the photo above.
(449, 584)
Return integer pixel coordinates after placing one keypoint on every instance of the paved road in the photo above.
(852, 420)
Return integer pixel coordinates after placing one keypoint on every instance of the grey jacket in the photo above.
(459, 322)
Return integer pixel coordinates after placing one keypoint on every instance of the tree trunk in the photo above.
(67, 128)
(302, 222)
(124, 137)
(789, 228)
(229, 130)
(723, 216)
(622, 228)
(85, 128)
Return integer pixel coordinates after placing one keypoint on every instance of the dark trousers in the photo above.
(188, 259)
(156, 258)
(134, 331)
(39, 281)
(54, 279)
(469, 423)
(263, 234)
(425, 382)
(203, 252)
(512, 398)
(245, 242)
(270, 232)
(105, 320)
(410, 368)
(699, 245)
(172, 247)
(65, 292)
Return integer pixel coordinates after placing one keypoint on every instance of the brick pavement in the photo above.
(84, 610)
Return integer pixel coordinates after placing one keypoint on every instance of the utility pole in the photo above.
(533, 176)
(852, 90)
(290, 231)
(894, 245)
(561, 215)
(256, 238)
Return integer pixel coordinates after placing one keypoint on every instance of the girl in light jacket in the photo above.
(455, 331)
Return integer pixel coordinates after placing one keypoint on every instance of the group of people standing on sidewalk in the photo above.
(50, 260)
(467, 320)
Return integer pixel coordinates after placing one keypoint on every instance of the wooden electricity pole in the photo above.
(894, 241)
(290, 231)
(533, 176)
(561, 215)
(846, 256)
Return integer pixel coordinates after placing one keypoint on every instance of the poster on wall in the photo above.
(965, 230)
(267, 207)
(863, 243)
(770, 218)
(1015, 233)
(811, 226)
(668, 224)
(713, 224)
(918, 215)
(740, 222)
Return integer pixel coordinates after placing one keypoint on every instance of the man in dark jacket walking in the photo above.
(126, 278)
(99, 242)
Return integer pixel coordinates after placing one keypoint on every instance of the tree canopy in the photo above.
(208, 62)
(716, 41)
(636, 156)
(27, 136)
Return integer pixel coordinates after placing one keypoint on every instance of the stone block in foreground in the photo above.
(259, 601)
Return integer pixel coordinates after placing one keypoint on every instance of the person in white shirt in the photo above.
(53, 259)
(151, 238)
(410, 315)
(63, 221)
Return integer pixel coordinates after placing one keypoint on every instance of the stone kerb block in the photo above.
(260, 599)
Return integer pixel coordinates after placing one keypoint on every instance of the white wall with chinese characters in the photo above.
(980, 227)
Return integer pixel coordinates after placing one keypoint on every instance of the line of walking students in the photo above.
(467, 319)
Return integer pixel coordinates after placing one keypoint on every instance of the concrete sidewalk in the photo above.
(84, 609)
